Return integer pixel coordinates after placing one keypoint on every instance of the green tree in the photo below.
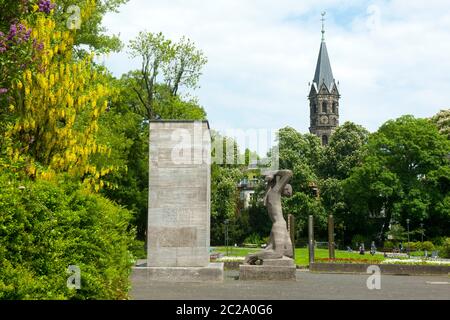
(126, 135)
(55, 107)
(224, 200)
(168, 106)
(302, 154)
(155, 51)
(297, 149)
(397, 233)
(184, 69)
(91, 32)
(180, 64)
(344, 152)
(259, 221)
(165, 105)
(405, 174)
(442, 121)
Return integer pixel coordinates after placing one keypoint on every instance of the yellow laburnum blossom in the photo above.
(28, 75)
(31, 170)
(56, 95)
(69, 101)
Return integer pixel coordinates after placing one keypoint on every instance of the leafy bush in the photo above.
(46, 227)
(419, 246)
(412, 246)
(254, 238)
(438, 241)
(427, 245)
(445, 249)
(389, 245)
(397, 233)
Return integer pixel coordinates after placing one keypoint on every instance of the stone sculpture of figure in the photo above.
(280, 244)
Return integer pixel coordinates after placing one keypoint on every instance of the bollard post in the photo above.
(331, 246)
(311, 239)
(291, 228)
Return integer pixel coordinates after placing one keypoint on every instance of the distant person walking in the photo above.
(362, 250)
(373, 248)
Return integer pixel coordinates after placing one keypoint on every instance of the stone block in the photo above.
(284, 262)
(211, 273)
(179, 194)
(271, 270)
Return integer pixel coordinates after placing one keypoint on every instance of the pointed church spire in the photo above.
(324, 105)
(323, 74)
(323, 26)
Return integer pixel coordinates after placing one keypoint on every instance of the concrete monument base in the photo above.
(211, 273)
(270, 269)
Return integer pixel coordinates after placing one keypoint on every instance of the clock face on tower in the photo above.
(324, 120)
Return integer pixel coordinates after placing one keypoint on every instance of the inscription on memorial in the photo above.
(172, 237)
(179, 194)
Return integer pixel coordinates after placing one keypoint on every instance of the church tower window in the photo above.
(325, 140)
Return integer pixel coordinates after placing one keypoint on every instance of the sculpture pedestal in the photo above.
(271, 270)
(211, 273)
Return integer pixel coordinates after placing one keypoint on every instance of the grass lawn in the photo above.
(301, 254)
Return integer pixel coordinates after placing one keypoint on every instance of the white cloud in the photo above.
(391, 57)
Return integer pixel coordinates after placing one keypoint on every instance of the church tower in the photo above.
(324, 96)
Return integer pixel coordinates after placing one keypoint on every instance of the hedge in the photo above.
(47, 226)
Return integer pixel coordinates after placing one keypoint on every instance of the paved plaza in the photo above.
(308, 286)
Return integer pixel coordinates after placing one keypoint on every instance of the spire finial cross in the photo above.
(323, 25)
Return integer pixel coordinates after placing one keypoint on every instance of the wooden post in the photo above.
(291, 228)
(331, 237)
(311, 239)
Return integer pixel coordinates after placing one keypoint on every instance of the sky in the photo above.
(391, 58)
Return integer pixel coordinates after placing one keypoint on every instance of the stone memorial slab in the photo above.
(178, 236)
